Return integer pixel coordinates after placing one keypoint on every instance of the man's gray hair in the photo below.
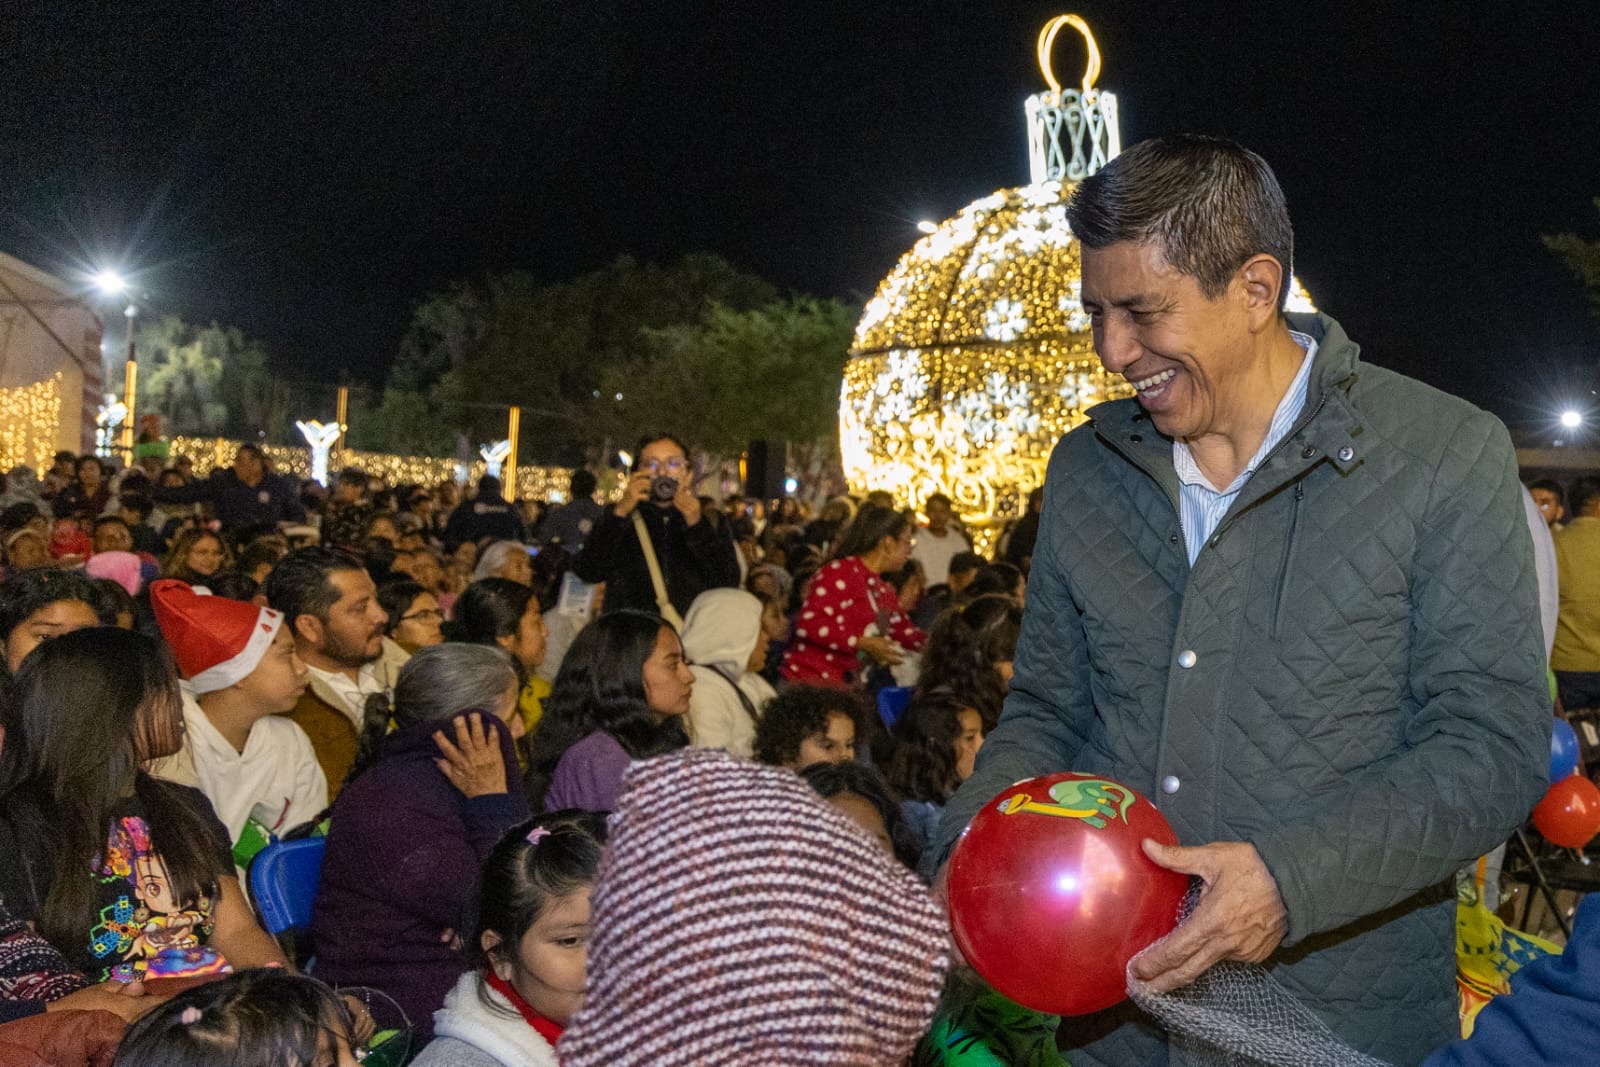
(442, 681)
(1209, 204)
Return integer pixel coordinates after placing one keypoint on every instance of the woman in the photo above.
(969, 653)
(423, 806)
(936, 742)
(500, 612)
(88, 494)
(504, 559)
(726, 645)
(851, 618)
(622, 693)
(414, 617)
(196, 555)
(131, 877)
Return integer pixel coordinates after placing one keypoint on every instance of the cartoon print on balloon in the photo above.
(1094, 800)
(145, 922)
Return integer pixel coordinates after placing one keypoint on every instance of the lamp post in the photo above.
(112, 283)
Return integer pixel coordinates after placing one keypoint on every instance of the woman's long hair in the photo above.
(923, 766)
(86, 707)
(601, 687)
(963, 648)
(436, 684)
(868, 529)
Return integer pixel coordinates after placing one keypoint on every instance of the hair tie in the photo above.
(189, 1016)
(537, 834)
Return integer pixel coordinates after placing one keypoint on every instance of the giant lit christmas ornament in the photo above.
(975, 355)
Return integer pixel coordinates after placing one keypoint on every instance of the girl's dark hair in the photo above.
(1002, 578)
(962, 649)
(83, 732)
(265, 1015)
(25, 593)
(396, 598)
(233, 585)
(520, 880)
(488, 609)
(111, 600)
(601, 687)
(435, 685)
(868, 529)
(796, 714)
(923, 766)
(832, 779)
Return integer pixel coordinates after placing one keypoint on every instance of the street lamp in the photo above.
(1571, 419)
(925, 226)
(112, 283)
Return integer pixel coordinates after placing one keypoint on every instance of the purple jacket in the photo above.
(588, 775)
(404, 850)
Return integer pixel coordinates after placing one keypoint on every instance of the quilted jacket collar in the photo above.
(1328, 429)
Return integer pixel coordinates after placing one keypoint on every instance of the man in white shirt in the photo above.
(331, 605)
(938, 542)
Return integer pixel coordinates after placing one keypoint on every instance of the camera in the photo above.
(663, 488)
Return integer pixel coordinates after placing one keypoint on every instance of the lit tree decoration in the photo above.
(975, 355)
(320, 436)
(494, 455)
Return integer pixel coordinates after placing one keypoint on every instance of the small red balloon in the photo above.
(1569, 814)
(1051, 894)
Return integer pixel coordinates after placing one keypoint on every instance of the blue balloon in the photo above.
(1563, 751)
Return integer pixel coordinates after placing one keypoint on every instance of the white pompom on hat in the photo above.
(216, 641)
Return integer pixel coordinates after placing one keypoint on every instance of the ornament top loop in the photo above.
(1047, 40)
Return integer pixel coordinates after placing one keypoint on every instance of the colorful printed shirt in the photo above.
(140, 918)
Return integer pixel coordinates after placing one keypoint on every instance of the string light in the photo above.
(29, 417)
(208, 454)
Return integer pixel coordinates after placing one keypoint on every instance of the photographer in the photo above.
(658, 508)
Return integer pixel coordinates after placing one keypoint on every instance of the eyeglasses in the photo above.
(426, 613)
(671, 466)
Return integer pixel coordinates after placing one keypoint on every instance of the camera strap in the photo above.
(663, 604)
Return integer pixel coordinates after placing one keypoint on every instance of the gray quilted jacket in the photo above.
(1351, 678)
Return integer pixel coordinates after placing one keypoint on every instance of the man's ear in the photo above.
(308, 628)
(1262, 278)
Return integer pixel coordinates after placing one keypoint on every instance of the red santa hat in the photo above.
(217, 641)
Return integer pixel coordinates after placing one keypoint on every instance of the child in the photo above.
(257, 768)
(257, 1016)
(936, 742)
(527, 939)
(808, 724)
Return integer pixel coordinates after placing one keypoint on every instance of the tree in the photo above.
(208, 380)
(476, 349)
(732, 377)
(1582, 259)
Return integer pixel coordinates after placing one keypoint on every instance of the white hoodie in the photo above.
(719, 633)
(467, 1033)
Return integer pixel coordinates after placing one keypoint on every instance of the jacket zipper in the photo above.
(1321, 403)
(1288, 555)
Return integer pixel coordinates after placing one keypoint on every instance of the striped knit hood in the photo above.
(738, 919)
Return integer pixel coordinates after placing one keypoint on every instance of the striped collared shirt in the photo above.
(1200, 505)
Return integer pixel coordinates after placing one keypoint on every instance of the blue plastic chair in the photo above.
(892, 701)
(284, 878)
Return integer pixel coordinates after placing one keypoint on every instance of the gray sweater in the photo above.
(469, 1033)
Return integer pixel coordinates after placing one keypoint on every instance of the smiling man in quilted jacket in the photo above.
(1287, 594)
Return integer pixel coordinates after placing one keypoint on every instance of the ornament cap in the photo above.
(1085, 117)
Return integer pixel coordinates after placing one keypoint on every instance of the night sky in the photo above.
(308, 171)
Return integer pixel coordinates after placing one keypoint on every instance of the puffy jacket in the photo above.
(1350, 678)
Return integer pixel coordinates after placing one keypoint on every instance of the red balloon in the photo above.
(1569, 814)
(1051, 895)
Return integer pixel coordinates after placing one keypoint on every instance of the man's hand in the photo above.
(126, 1000)
(637, 489)
(1240, 915)
(687, 503)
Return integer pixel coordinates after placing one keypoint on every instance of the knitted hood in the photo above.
(740, 920)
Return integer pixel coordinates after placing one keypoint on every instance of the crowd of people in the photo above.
(454, 696)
